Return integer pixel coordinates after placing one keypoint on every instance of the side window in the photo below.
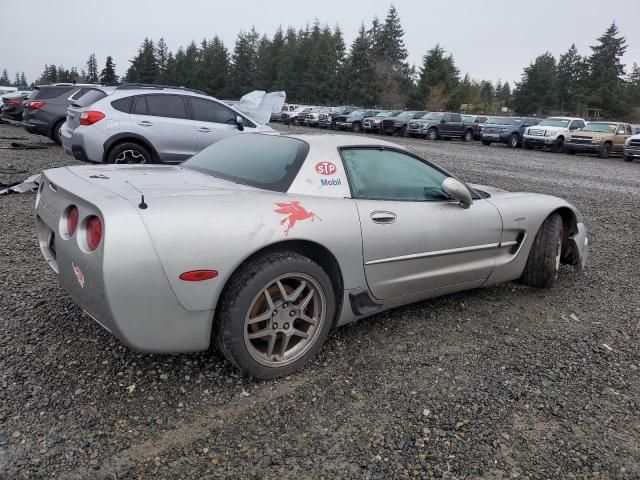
(455, 117)
(629, 131)
(446, 118)
(621, 130)
(376, 174)
(573, 125)
(535, 121)
(140, 106)
(209, 111)
(123, 104)
(171, 106)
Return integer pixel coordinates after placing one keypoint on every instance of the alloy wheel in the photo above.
(130, 156)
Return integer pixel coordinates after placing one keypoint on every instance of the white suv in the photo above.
(551, 132)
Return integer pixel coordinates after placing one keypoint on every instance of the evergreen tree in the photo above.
(271, 71)
(633, 86)
(569, 80)
(162, 56)
(536, 93)
(108, 74)
(92, 69)
(606, 77)
(438, 79)
(4, 78)
(360, 72)
(23, 80)
(214, 68)
(286, 78)
(16, 81)
(144, 66)
(244, 68)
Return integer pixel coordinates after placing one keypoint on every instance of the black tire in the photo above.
(432, 134)
(121, 150)
(412, 135)
(356, 127)
(55, 132)
(628, 158)
(486, 142)
(294, 122)
(467, 136)
(541, 269)
(528, 147)
(558, 146)
(605, 151)
(244, 286)
(333, 125)
(514, 141)
(402, 132)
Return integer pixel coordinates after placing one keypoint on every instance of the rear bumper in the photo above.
(84, 143)
(122, 284)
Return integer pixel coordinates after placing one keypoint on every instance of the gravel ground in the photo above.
(503, 382)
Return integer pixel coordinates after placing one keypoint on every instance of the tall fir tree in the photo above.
(4, 78)
(162, 56)
(569, 81)
(438, 80)
(360, 82)
(23, 80)
(536, 93)
(144, 66)
(213, 69)
(244, 67)
(108, 74)
(92, 69)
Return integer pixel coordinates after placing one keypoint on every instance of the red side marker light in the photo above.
(198, 275)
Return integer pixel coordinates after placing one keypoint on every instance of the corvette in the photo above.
(262, 244)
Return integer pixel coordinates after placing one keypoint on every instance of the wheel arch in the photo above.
(310, 249)
(130, 138)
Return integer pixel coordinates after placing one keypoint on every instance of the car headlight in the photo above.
(627, 142)
(504, 130)
(398, 124)
(596, 140)
(377, 121)
(548, 133)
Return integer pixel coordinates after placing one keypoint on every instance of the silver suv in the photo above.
(136, 123)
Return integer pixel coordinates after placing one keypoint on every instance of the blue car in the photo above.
(507, 130)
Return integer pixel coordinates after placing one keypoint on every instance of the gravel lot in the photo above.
(495, 383)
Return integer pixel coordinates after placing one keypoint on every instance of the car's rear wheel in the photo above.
(628, 158)
(514, 141)
(569, 151)
(543, 263)
(56, 132)
(468, 136)
(432, 134)
(402, 132)
(486, 142)
(356, 127)
(275, 315)
(605, 151)
(129, 153)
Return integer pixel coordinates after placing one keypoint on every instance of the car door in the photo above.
(414, 237)
(620, 137)
(214, 121)
(162, 119)
(455, 125)
(445, 125)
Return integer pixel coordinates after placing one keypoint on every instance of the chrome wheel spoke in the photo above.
(260, 334)
(305, 302)
(300, 333)
(308, 319)
(297, 292)
(272, 343)
(285, 344)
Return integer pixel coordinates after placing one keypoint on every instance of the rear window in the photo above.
(263, 161)
(51, 92)
(89, 97)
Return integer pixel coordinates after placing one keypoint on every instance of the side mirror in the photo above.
(239, 123)
(457, 190)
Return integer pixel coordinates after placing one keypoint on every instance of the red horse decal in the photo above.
(294, 213)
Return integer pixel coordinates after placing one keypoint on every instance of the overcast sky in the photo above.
(489, 39)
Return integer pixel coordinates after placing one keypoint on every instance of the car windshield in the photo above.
(554, 122)
(433, 116)
(495, 120)
(468, 118)
(269, 162)
(510, 121)
(600, 127)
(357, 113)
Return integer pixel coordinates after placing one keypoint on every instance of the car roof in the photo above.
(324, 140)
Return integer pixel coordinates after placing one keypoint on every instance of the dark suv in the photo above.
(445, 125)
(507, 130)
(46, 108)
(399, 123)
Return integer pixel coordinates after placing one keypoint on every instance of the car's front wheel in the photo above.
(543, 263)
(514, 141)
(628, 158)
(129, 153)
(275, 315)
(468, 136)
(605, 151)
(432, 134)
(486, 142)
(558, 146)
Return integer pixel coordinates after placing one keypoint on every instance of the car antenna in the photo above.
(142, 205)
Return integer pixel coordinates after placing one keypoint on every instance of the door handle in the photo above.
(204, 129)
(383, 217)
(144, 123)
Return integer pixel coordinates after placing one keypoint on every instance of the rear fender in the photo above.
(126, 137)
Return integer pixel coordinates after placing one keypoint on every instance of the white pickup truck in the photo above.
(551, 133)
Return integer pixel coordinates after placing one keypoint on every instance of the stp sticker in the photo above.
(79, 275)
(326, 168)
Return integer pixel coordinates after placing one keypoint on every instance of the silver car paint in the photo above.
(195, 221)
(174, 139)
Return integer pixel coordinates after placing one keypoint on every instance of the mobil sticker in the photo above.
(326, 168)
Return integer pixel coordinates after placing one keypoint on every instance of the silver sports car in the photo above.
(264, 243)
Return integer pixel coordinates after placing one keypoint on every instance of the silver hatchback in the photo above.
(148, 124)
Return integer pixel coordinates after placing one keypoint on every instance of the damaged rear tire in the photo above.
(543, 263)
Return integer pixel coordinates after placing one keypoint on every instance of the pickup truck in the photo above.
(373, 124)
(291, 117)
(436, 125)
(476, 121)
(399, 123)
(328, 119)
(353, 121)
(551, 133)
(508, 130)
(602, 138)
(632, 148)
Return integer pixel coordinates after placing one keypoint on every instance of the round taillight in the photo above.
(72, 220)
(94, 232)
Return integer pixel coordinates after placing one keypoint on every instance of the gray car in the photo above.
(262, 244)
(148, 124)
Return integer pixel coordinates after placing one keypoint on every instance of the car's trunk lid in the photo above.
(132, 181)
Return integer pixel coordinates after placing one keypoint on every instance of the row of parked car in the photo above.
(137, 123)
(559, 134)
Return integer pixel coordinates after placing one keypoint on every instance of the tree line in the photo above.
(314, 66)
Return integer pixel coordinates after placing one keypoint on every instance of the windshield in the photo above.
(433, 116)
(510, 121)
(495, 120)
(554, 122)
(357, 113)
(468, 118)
(600, 127)
(264, 161)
